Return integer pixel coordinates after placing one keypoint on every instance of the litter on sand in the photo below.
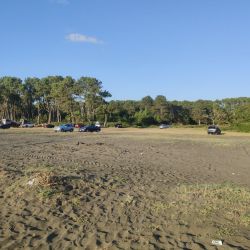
(217, 242)
(31, 182)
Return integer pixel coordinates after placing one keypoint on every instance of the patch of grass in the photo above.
(189, 126)
(76, 201)
(31, 169)
(129, 199)
(18, 185)
(153, 227)
(225, 230)
(159, 206)
(245, 218)
(117, 181)
(226, 201)
(46, 192)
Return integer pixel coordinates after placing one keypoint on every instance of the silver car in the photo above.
(213, 130)
(64, 128)
(27, 125)
(164, 126)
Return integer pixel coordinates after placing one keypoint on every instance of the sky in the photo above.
(182, 49)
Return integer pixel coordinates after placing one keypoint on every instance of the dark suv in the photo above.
(4, 126)
(11, 123)
(90, 128)
(118, 125)
(213, 130)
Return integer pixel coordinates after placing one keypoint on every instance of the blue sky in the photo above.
(183, 49)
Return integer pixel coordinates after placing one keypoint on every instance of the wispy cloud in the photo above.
(80, 38)
(62, 2)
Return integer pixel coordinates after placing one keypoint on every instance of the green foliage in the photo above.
(59, 99)
(90, 93)
(243, 127)
(242, 113)
(239, 127)
(144, 118)
(161, 109)
(10, 97)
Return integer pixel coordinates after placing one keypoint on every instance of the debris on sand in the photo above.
(217, 242)
(44, 179)
(31, 182)
(100, 143)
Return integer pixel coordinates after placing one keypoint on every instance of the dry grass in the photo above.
(170, 135)
(208, 203)
(173, 135)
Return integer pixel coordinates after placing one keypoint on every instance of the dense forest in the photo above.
(56, 99)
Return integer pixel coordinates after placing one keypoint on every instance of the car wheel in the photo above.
(62, 130)
(71, 130)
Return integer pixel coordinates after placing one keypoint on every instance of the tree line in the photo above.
(65, 99)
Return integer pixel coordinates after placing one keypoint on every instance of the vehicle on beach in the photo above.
(213, 130)
(27, 125)
(64, 128)
(90, 128)
(4, 126)
(164, 126)
(79, 125)
(11, 123)
(118, 125)
(97, 124)
(48, 125)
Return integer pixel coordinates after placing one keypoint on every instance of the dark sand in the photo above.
(124, 189)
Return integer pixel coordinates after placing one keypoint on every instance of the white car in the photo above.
(213, 130)
(27, 125)
(164, 126)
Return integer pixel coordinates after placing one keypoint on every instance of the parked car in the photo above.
(48, 125)
(118, 125)
(213, 130)
(90, 128)
(4, 126)
(79, 125)
(64, 128)
(97, 124)
(164, 126)
(11, 123)
(27, 125)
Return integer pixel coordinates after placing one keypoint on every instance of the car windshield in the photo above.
(212, 126)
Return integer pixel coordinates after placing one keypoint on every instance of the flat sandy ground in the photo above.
(124, 189)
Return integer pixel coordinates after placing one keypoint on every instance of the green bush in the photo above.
(239, 127)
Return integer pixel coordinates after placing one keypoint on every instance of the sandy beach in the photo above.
(124, 189)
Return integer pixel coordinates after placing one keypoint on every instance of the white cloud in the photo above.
(76, 37)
